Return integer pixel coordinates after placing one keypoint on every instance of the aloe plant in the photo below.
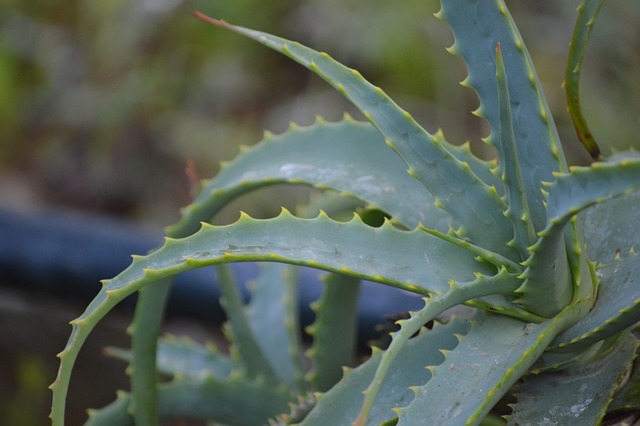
(541, 255)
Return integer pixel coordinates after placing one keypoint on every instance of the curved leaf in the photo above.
(587, 186)
(587, 14)
(413, 260)
(360, 163)
(349, 156)
(455, 187)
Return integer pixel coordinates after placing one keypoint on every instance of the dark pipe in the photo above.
(65, 255)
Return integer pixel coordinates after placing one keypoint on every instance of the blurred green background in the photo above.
(103, 104)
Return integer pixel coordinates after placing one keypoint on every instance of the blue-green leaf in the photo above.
(334, 331)
(478, 26)
(489, 359)
(272, 313)
(184, 357)
(548, 287)
(413, 260)
(516, 196)
(350, 157)
(616, 308)
(341, 404)
(455, 187)
(580, 394)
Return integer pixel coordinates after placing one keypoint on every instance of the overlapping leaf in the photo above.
(455, 187)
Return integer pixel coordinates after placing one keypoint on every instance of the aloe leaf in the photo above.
(485, 170)
(580, 394)
(243, 341)
(548, 288)
(455, 187)
(272, 314)
(587, 186)
(611, 228)
(518, 211)
(503, 282)
(182, 356)
(350, 157)
(144, 331)
(489, 359)
(425, 263)
(413, 260)
(616, 308)
(299, 156)
(341, 404)
(628, 396)
(587, 14)
(235, 400)
(478, 26)
(334, 331)
(113, 414)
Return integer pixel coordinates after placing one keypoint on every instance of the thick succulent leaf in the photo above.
(586, 186)
(516, 196)
(580, 394)
(616, 308)
(350, 157)
(478, 26)
(235, 401)
(184, 357)
(489, 359)
(145, 330)
(413, 260)
(548, 286)
(455, 187)
(341, 404)
(272, 314)
(587, 14)
(334, 331)
(459, 293)
(113, 414)
(245, 348)
(628, 396)
(610, 229)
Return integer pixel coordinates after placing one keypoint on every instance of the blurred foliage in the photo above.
(105, 103)
(29, 404)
